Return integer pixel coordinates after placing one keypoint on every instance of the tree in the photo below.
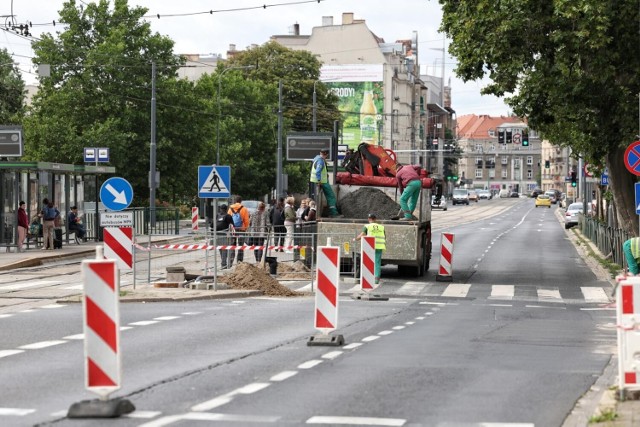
(11, 91)
(99, 95)
(572, 68)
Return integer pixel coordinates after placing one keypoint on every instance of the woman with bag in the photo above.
(258, 227)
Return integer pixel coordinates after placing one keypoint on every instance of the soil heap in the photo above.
(366, 200)
(247, 276)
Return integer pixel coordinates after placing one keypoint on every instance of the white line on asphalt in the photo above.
(549, 294)
(143, 414)
(371, 338)
(598, 309)
(369, 421)
(432, 303)
(74, 337)
(352, 346)
(75, 287)
(53, 306)
(124, 328)
(213, 403)
(409, 323)
(166, 318)
(502, 292)
(411, 288)
(593, 294)
(251, 388)
(41, 344)
(164, 421)
(309, 364)
(23, 285)
(5, 353)
(385, 332)
(206, 416)
(420, 318)
(192, 313)
(2, 316)
(283, 375)
(29, 310)
(16, 411)
(458, 290)
(331, 355)
(428, 313)
(144, 323)
(238, 302)
(494, 305)
(545, 306)
(397, 328)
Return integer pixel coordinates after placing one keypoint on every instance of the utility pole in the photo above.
(152, 154)
(279, 183)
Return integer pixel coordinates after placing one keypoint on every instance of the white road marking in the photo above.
(74, 337)
(411, 288)
(3, 316)
(369, 421)
(370, 338)
(41, 344)
(397, 328)
(212, 404)
(207, 416)
(24, 285)
(53, 306)
(549, 294)
(598, 309)
(432, 303)
(191, 313)
(545, 306)
(385, 332)
(592, 294)
(409, 323)
(75, 287)
(144, 323)
(29, 310)
(5, 353)
(143, 414)
(283, 375)
(61, 413)
(124, 328)
(352, 346)
(420, 318)
(331, 355)
(166, 318)
(502, 292)
(457, 290)
(164, 421)
(309, 364)
(20, 412)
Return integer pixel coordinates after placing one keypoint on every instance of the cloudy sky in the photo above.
(245, 22)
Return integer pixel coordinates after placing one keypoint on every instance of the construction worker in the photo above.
(319, 176)
(409, 183)
(631, 250)
(374, 229)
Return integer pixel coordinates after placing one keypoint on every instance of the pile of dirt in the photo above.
(247, 276)
(294, 270)
(366, 200)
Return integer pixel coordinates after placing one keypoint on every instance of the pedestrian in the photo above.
(48, 215)
(310, 216)
(409, 183)
(240, 226)
(223, 223)
(277, 221)
(319, 176)
(289, 223)
(74, 223)
(258, 224)
(631, 250)
(23, 225)
(375, 229)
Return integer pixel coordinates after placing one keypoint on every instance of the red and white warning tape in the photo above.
(226, 247)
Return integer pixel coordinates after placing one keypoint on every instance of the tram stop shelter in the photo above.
(64, 184)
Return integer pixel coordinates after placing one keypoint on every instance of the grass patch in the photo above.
(124, 293)
(604, 416)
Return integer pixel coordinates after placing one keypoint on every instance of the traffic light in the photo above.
(509, 136)
(573, 179)
(525, 137)
(500, 136)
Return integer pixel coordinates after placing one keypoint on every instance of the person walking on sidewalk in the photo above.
(289, 223)
(374, 229)
(319, 176)
(258, 226)
(409, 183)
(23, 225)
(48, 215)
(240, 229)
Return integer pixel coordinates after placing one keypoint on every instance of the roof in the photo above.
(471, 126)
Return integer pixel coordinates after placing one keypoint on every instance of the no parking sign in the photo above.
(632, 158)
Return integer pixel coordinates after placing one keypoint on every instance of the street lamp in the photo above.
(240, 67)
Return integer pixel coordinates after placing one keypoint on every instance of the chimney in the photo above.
(296, 29)
(347, 18)
(327, 21)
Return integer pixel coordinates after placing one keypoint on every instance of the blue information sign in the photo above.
(214, 182)
(116, 194)
(637, 188)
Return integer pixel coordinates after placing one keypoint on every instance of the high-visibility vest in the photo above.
(635, 247)
(323, 174)
(377, 230)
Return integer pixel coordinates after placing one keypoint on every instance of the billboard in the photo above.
(359, 88)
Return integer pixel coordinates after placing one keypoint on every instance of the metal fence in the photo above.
(607, 239)
(167, 222)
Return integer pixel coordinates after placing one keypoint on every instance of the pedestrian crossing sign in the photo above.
(214, 182)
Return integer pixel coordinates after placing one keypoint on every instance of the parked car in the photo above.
(504, 194)
(552, 196)
(460, 196)
(473, 196)
(514, 194)
(536, 192)
(438, 202)
(572, 214)
(543, 200)
(485, 194)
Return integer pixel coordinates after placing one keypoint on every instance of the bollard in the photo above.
(367, 271)
(327, 294)
(445, 273)
(628, 323)
(194, 219)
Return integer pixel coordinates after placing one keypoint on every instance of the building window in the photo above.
(478, 148)
(504, 174)
(492, 173)
(492, 147)
(529, 174)
(492, 132)
(478, 173)
(478, 160)
(504, 160)
(516, 163)
(529, 160)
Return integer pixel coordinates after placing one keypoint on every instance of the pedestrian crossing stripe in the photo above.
(214, 182)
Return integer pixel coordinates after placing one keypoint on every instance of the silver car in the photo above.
(572, 214)
(438, 203)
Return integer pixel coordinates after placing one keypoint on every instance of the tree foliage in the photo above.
(11, 91)
(99, 95)
(572, 67)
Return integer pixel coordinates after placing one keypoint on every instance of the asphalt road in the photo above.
(515, 339)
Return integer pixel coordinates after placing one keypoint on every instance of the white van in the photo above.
(504, 194)
(460, 195)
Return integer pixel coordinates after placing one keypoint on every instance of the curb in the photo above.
(173, 297)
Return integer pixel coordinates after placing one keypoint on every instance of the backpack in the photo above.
(221, 223)
(237, 219)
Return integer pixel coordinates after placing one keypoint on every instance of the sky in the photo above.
(205, 33)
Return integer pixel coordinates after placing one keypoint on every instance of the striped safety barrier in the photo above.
(194, 219)
(367, 263)
(118, 245)
(225, 247)
(328, 275)
(628, 319)
(445, 272)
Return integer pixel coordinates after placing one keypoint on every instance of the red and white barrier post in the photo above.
(327, 294)
(367, 263)
(445, 272)
(194, 218)
(118, 246)
(101, 315)
(628, 319)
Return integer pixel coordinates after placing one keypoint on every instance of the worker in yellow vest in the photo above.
(631, 250)
(374, 229)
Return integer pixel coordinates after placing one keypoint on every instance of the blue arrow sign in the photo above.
(214, 182)
(116, 194)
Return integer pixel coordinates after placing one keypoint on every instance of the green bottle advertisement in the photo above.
(368, 115)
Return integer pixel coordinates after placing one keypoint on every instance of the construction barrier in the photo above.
(367, 263)
(194, 218)
(628, 319)
(326, 307)
(118, 245)
(445, 272)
